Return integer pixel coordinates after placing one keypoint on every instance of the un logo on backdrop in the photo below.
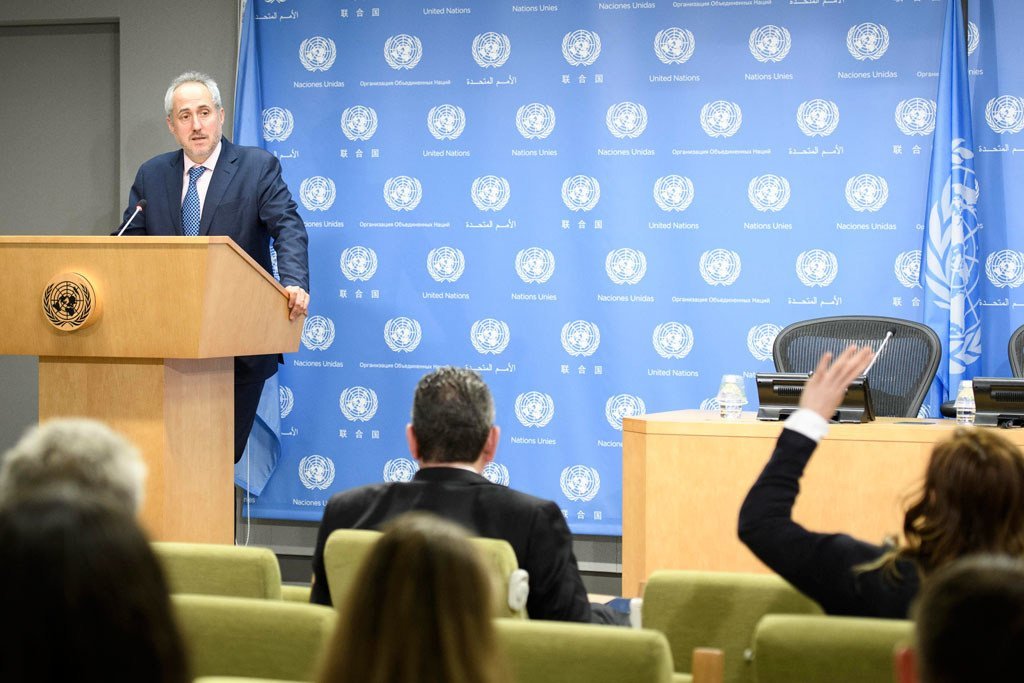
(287, 400)
(446, 264)
(673, 192)
(770, 43)
(867, 192)
(674, 45)
(973, 37)
(534, 264)
(403, 193)
(620, 406)
(709, 405)
(496, 474)
(580, 338)
(491, 49)
(1005, 268)
(490, 193)
(358, 263)
(1005, 114)
(761, 340)
(534, 409)
(316, 472)
(580, 483)
(908, 268)
(317, 193)
(278, 124)
(867, 41)
(672, 340)
(581, 48)
(916, 116)
(817, 267)
(399, 470)
(817, 117)
(358, 404)
(625, 266)
(720, 267)
(359, 122)
(402, 334)
(446, 121)
(581, 192)
(721, 119)
(317, 53)
(535, 121)
(489, 336)
(318, 333)
(626, 119)
(768, 192)
(403, 51)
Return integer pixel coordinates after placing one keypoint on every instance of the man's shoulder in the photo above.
(247, 154)
(161, 160)
(510, 498)
(356, 496)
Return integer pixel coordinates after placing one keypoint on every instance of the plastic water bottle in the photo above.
(731, 397)
(965, 403)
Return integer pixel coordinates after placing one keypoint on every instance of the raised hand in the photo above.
(827, 386)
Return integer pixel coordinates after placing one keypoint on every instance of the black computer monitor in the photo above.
(778, 394)
(999, 401)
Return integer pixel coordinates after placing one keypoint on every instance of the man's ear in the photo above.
(414, 445)
(491, 445)
(905, 664)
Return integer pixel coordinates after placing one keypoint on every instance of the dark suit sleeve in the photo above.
(320, 593)
(556, 589)
(277, 211)
(138, 226)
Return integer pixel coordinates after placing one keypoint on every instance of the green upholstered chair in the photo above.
(819, 649)
(717, 610)
(295, 593)
(250, 637)
(238, 679)
(211, 569)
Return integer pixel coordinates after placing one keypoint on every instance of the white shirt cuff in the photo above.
(808, 423)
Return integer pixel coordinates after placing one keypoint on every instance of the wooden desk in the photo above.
(685, 474)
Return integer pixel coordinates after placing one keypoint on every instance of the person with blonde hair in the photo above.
(972, 501)
(420, 610)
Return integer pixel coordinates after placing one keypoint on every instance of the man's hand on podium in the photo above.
(298, 301)
(827, 386)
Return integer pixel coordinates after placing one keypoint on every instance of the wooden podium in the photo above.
(140, 333)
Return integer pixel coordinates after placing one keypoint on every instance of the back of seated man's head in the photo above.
(74, 454)
(452, 415)
(970, 621)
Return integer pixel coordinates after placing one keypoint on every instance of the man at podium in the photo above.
(213, 187)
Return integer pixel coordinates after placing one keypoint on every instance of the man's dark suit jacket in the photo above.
(248, 201)
(534, 527)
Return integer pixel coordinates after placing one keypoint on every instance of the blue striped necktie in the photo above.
(190, 213)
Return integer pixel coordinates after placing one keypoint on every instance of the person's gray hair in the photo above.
(74, 454)
(192, 77)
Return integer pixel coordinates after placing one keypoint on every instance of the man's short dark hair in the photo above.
(452, 415)
(970, 621)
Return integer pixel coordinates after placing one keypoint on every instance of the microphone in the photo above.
(888, 336)
(139, 208)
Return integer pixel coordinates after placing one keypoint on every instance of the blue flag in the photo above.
(950, 270)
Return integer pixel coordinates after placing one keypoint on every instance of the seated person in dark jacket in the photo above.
(453, 437)
(972, 501)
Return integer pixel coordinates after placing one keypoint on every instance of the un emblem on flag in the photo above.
(317, 53)
(580, 483)
(534, 409)
(446, 264)
(916, 116)
(625, 266)
(278, 124)
(673, 192)
(402, 334)
(358, 263)
(867, 192)
(318, 333)
(489, 336)
(581, 48)
(770, 43)
(908, 268)
(768, 192)
(402, 193)
(534, 264)
(496, 474)
(316, 472)
(491, 49)
(1005, 268)
(359, 123)
(867, 41)
(317, 193)
(721, 119)
(446, 121)
(1005, 114)
(580, 338)
(403, 51)
(287, 400)
(720, 267)
(490, 193)
(535, 121)
(581, 192)
(620, 406)
(674, 45)
(817, 117)
(817, 267)
(626, 120)
(761, 340)
(399, 470)
(672, 340)
(358, 404)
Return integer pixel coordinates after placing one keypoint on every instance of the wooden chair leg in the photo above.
(708, 665)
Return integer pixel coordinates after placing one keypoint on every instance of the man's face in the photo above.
(195, 121)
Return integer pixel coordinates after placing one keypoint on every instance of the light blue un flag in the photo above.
(264, 447)
(949, 268)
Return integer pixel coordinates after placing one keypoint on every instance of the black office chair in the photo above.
(900, 377)
(1016, 351)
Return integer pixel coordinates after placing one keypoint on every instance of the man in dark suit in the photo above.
(212, 187)
(453, 437)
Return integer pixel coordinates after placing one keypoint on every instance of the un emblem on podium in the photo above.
(69, 302)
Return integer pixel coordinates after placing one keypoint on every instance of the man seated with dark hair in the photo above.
(453, 437)
(969, 624)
